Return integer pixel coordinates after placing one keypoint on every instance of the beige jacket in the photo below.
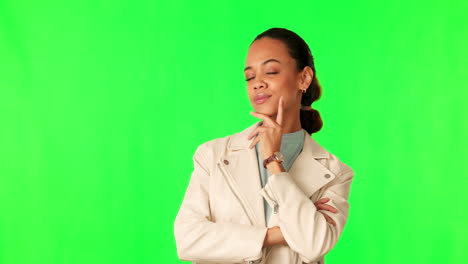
(221, 219)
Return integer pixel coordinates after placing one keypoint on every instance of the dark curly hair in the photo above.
(300, 52)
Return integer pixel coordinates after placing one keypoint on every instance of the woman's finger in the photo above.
(327, 207)
(254, 142)
(255, 131)
(279, 115)
(323, 200)
(267, 121)
(329, 219)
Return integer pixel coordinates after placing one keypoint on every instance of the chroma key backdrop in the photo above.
(103, 104)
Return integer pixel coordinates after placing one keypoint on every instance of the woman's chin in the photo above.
(265, 111)
(267, 108)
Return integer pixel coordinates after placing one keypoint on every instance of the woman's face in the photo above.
(271, 73)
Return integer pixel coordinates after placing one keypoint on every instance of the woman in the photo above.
(269, 194)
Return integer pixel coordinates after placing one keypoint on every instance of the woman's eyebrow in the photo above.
(263, 63)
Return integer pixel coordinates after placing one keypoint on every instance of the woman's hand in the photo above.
(273, 237)
(270, 132)
(320, 204)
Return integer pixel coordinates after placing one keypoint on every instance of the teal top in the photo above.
(291, 147)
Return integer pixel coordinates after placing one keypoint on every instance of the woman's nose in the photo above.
(259, 84)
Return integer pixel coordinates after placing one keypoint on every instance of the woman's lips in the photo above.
(261, 98)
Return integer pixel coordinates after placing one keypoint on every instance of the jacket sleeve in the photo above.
(200, 239)
(304, 228)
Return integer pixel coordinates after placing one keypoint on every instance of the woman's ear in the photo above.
(306, 78)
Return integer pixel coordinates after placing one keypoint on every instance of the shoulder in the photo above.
(340, 168)
(331, 161)
(217, 147)
(234, 141)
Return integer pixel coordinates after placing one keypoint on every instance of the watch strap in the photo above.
(270, 159)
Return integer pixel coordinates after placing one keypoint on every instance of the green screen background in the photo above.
(103, 103)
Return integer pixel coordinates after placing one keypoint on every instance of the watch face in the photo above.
(279, 156)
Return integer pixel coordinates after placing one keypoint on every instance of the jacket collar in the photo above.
(311, 147)
(242, 166)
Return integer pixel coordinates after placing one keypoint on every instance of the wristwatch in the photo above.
(277, 156)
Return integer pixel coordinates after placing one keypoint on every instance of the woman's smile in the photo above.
(261, 98)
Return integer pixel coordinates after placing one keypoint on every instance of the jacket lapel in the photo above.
(307, 171)
(242, 165)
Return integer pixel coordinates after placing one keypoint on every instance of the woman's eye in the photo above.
(248, 79)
